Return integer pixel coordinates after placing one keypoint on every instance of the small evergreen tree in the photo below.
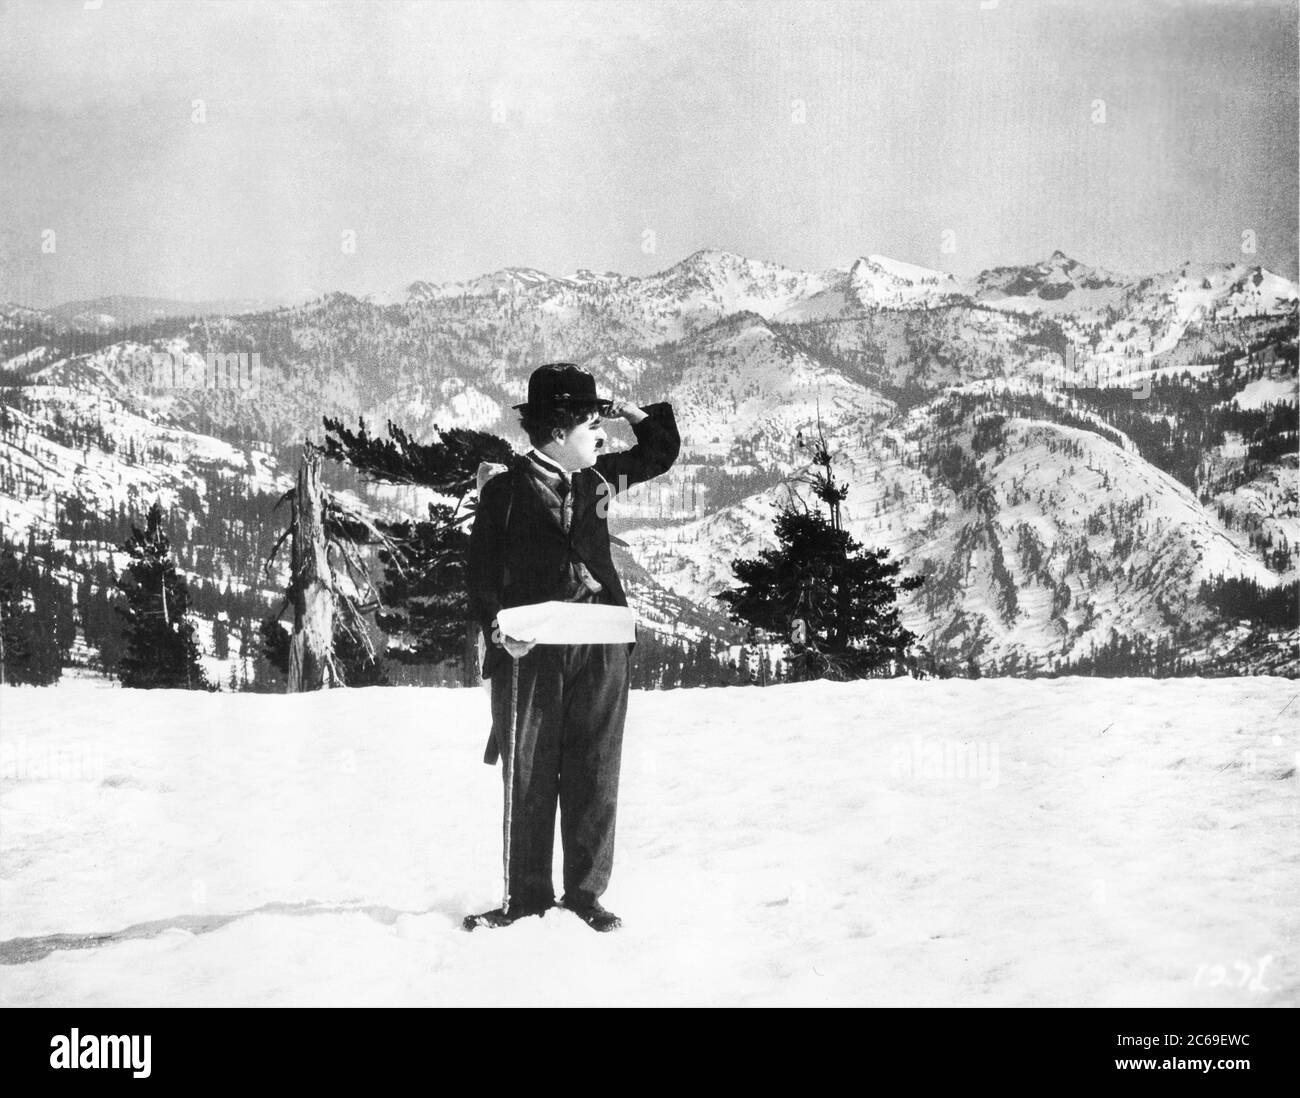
(220, 639)
(96, 600)
(835, 599)
(160, 646)
(29, 645)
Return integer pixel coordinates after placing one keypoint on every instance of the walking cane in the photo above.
(510, 781)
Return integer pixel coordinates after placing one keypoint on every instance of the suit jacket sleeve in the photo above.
(657, 446)
(487, 546)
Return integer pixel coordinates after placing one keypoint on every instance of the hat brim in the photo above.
(594, 403)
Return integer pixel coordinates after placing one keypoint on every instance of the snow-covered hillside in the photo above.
(751, 354)
(82, 457)
(746, 382)
(996, 843)
(1038, 539)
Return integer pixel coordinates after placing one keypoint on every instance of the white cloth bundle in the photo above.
(569, 623)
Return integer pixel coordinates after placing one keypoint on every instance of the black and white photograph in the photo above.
(546, 503)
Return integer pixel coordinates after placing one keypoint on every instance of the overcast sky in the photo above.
(453, 139)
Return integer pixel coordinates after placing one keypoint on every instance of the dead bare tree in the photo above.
(311, 650)
(326, 595)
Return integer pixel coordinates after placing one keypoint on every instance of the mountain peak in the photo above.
(711, 257)
(896, 268)
(714, 266)
(877, 280)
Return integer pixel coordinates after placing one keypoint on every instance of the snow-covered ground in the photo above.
(998, 842)
(1264, 391)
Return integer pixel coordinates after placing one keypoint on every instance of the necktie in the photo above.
(566, 500)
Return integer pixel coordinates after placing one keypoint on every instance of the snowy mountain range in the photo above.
(102, 314)
(1066, 453)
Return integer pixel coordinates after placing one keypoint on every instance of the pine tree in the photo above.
(220, 639)
(160, 646)
(100, 623)
(29, 647)
(834, 598)
(745, 666)
(425, 602)
(424, 590)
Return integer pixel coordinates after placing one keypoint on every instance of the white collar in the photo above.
(546, 462)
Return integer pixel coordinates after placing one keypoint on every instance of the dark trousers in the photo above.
(568, 745)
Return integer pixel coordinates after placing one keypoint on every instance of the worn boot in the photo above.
(591, 913)
(497, 918)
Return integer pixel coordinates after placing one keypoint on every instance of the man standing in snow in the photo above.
(540, 535)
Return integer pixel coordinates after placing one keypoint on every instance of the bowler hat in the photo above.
(562, 384)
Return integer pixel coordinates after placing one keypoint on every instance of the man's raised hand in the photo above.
(625, 409)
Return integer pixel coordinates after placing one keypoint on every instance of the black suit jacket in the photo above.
(527, 562)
